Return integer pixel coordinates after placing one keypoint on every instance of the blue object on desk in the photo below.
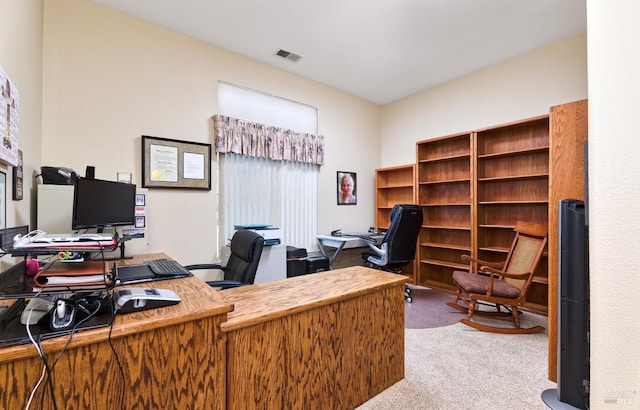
(252, 226)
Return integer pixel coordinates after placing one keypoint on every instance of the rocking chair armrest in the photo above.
(492, 272)
(496, 265)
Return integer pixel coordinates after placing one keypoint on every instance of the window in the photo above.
(262, 191)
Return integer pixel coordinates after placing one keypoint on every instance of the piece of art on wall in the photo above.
(169, 163)
(18, 179)
(9, 101)
(347, 188)
(3, 200)
(140, 222)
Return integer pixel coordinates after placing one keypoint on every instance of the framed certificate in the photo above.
(169, 163)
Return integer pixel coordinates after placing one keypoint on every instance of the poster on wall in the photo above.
(9, 101)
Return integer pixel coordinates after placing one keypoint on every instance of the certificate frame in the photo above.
(171, 163)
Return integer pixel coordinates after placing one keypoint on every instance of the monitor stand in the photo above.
(121, 246)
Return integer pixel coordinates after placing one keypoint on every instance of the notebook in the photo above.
(89, 274)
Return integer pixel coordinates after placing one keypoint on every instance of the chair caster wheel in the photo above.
(407, 294)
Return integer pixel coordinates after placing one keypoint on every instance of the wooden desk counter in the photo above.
(171, 357)
(327, 340)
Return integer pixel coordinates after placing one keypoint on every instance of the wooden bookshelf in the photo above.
(444, 188)
(512, 185)
(394, 185)
(474, 187)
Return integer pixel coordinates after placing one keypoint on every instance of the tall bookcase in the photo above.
(474, 186)
(394, 185)
(512, 184)
(445, 192)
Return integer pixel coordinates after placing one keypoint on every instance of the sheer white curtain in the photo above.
(261, 191)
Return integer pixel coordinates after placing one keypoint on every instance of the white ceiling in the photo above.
(379, 50)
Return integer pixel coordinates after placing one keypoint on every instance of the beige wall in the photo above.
(21, 59)
(523, 87)
(109, 78)
(614, 194)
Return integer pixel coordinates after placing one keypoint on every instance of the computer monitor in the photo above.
(102, 204)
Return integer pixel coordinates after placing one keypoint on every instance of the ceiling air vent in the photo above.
(288, 55)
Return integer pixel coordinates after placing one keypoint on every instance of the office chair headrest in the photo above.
(244, 243)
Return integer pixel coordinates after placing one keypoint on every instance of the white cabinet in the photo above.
(273, 264)
(55, 206)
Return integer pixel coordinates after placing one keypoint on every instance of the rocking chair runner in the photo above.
(502, 284)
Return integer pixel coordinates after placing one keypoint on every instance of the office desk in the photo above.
(329, 340)
(172, 357)
(339, 243)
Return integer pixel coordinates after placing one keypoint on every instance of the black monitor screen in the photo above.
(99, 204)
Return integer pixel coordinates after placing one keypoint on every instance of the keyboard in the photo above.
(367, 236)
(167, 267)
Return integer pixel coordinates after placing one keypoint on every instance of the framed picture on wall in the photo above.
(169, 163)
(347, 188)
(18, 180)
(3, 200)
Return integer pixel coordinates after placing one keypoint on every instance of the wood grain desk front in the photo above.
(327, 340)
(171, 357)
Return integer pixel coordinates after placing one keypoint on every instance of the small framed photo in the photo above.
(140, 200)
(18, 180)
(140, 222)
(125, 177)
(347, 188)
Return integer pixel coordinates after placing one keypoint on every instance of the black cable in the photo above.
(38, 342)
(73, 331)
(49, 368)
(49, 375)
(115, 355)
(110, 341)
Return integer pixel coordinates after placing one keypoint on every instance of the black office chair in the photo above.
(398, 246)
(240, 270)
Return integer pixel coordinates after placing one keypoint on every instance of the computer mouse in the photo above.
(62, 315)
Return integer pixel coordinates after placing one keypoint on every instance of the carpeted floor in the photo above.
(449, 365)
(429, 309)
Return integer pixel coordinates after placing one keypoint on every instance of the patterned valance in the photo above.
(265, 141)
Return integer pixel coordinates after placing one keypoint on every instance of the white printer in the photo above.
(271, 234)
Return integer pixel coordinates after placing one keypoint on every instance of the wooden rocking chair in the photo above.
(502, 284)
